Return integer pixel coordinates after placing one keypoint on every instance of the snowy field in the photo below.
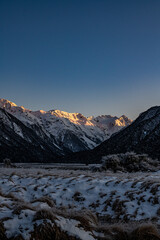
(78, 204)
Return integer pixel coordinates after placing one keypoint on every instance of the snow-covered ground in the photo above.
(112, 197)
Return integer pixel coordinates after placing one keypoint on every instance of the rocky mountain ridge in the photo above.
(69, 132)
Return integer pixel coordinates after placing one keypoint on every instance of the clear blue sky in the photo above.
(89, 56)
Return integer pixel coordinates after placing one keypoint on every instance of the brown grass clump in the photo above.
(45, 214)
(145, 232)
(49, 201)
(11, 196)
(123, 232)
(87, 220)
(47, 231)
(17, 210)
(5, 205)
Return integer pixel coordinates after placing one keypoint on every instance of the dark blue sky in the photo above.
(89, 56)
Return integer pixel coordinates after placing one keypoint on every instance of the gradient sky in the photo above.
(90, 56)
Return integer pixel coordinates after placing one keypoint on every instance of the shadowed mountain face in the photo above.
(55, 132)
(22, 144)
(142, 136)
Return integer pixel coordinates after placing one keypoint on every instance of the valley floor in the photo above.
(58, 203)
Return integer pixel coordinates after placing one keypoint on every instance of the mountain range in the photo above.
(142, 136)
(43, 136)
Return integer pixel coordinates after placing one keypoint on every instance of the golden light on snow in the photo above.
(76, 118)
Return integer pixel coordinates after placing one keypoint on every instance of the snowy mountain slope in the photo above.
(71, 131)
(66, 127)
(21, 143)
(110, 124)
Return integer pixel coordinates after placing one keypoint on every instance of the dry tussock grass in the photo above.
(45, 214)
(129, 232)
(87, 219)
(5, 205)
(22, 206)
(11, 196)
(47, 231)
(45, 199)
(145, 232)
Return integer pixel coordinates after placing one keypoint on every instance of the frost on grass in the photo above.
(60, 204)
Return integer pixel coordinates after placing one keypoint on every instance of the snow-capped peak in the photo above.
(76, 118)
(6, 104)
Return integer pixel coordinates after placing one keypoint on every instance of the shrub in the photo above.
(130, 162)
